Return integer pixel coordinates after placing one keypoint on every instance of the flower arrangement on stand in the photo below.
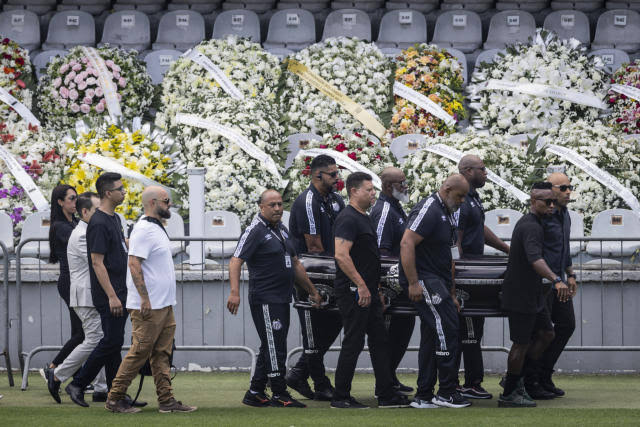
(625, 114)
(436, 74)
(70, 89)
(16, 77)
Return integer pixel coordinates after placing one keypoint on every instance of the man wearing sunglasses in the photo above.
(530, 327)
(312, 216)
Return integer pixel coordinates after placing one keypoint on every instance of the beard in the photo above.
(164, 213)
(402, 197)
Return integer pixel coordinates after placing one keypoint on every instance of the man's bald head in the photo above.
(156, 202)
(468, 161)
(271, 206)
(268, 194)
(561, 188)
(394, 184)
(473, 169)
(453, 191)
(558, 178)
(153, 192)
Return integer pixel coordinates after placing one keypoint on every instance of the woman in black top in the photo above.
(63, 221)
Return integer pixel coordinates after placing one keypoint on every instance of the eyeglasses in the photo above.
(548, 202)
(333, 174)
(402, 183)
(120, 189)
(564, 188)
(166, 201)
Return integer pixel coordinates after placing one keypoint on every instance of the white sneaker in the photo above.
(423, 404)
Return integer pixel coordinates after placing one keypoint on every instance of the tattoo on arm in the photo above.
(135, 266)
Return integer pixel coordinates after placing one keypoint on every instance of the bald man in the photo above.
(151, 287)
(389, 219)
(427, 251)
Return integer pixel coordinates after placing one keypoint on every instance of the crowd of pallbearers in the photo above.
(441, 228)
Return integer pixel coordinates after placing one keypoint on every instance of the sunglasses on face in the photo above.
(120, 189)
(548, 202)
(333, 174)
(166, 201)
(564, 188)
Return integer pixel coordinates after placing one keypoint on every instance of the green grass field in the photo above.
(590, 400)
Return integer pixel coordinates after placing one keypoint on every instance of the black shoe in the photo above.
(299, 385)
(536, 392)
(137, 404)
(475, 392)
(284, 400)
(258, 400)
(99, 396)
(324, 394)
(349, 403)
(76, 394)
(455, 400)
(89, 389)
(395, 401)
(549, 386)
(54, 387)
(402, 389)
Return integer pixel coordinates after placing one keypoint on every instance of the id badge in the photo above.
(455, 253)
(287, 261)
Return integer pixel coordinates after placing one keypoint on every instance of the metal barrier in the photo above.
(5, 319)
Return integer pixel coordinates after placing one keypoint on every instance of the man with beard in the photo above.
(472, 236)
(312, 216)
(427, 251)
(389, 219)
(530, 327)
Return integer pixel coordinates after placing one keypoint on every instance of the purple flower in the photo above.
(4, 193)
(15, 191)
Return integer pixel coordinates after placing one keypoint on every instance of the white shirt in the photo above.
(149, 242)
(80, 290)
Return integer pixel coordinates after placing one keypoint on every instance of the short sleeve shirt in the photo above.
(314, 214)
(268, 251)
(522, 290)
(471, 223)
(105, 236)
(557, 249)
(431, 220)
(390, 220)
(358, 228)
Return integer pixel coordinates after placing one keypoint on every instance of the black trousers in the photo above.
(400, 329)
(357, 322)
(564, 323)
(471, 332)
(272, 324)
(108, 351)
(320, 328)
(77, 333)
(439, 338)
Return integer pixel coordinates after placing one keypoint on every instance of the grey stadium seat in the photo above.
(577, 231)
(292, 29)
(158, 62)
(618, 29)
(200, 7)
(460, 30)
(36, 225)
(6, 232)
(472, 6)
(420, 6)
(257, 7)
(404, 145)
(583, 6)
(180, 29)
(41, 60)
(21, 26)
(569, 24)
(94, 7)
(242, 23)
(128, 29)
(39, 7)
(614, 223)
(527, 6)
(70, 28)
(313, 7)
(144, 6)
(634, 5)
(510, 27)
(221, 225)
(487, 56)
(296, 142)
(612, 58)
(367, 6)
(347, 23)
(501, 222)
(402, 29)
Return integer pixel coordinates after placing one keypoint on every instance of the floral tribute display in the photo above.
(625, 114)
(358, 147)
(357, 68)
(136, 150)
(436, 74)
(15, 77)
(548, 61)
(70, 90)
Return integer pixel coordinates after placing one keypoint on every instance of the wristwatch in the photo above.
(572, 276)
(558, 279)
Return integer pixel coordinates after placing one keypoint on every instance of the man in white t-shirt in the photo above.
(151, 290)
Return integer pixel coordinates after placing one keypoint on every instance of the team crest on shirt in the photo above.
(401, 221)
(473, 205)
(321, 208)
(336, 206)
(444, 218)
(276, 324)
(436, 299)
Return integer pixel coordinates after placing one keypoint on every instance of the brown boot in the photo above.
(175, 406)
(120, 406)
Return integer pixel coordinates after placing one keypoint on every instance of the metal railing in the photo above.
(5, 318)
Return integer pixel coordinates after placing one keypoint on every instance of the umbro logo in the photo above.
(444, 218)
(267, 236)
(442, 353)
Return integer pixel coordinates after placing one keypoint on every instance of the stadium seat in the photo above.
(35, 225)
(197, 6)
(614, 223)
(347, 23)
(618, 29)
(6, 232)
(420, 6)
(180, 30)
(487, 56)
(39, 7)
(158, 62)
(527, 6)
(144, 6)
(128, 30)
(634, 5)
(94, 7)
(510, 27)
(367, 6)
(501, 222)
(280, 52)
(313, 7)
(69, 29)
(460, 30)
(41, 60)
(21, 26)
(569, 24)
(583, 6)
(221, 225)
(401, 29)
(612, 58)
(404, 145)
(292, 29)
(295, 143)
(175, 229)
(242, 23)
(257, 7)
(577, 231)
(285, 218)
(472, 6)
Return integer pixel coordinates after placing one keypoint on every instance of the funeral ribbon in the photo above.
(455, 155)
(603, 177)
(19, 107)
(105, 80)
(629, 91)
(356, 110)
(25, 181)
(423, 102)
(344, 161)
(215, 72)
(541, 90)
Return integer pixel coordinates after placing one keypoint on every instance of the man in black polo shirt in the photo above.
(389, 219)
(273, 267)
(426, 270)
(523, 299)
(356, 286)
(312, 216)
(472, 236)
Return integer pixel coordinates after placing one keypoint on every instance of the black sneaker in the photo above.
(324, 394)
(258, 400)
(549, 386)
(99, 396)
(423, 403)
(54, 387)
(349, 403)
(284, 400)
(517, 399)
(475, 392)
(89, 389)
(402, 389)
(455, 400)
(536, 392)
(395, 401)
(299, 385)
